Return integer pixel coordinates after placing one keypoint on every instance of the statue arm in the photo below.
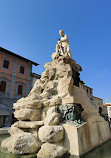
(64, 39)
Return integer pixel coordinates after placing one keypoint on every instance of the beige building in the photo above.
(89, 91)
(97, 101)
(107, 108)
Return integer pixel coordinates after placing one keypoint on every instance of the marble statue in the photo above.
(57, 116)
(63, 47)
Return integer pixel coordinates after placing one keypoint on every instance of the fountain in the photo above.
(57, 117)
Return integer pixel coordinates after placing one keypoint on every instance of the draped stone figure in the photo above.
(63, 47)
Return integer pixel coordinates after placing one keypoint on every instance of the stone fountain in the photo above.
(57, 117)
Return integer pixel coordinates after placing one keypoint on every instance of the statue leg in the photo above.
(57, 48)
(65, 49)
(68, 51)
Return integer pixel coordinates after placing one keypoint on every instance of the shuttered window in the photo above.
(2, 86)
(20, 89)
(22, 69)
(6, 64)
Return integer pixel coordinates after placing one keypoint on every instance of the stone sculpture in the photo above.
(63, 47)
(39, 128)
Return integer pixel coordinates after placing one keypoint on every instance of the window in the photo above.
(90, 91)
(20, 89)
(87, 90)
(22, 69)
(2, 86)
(6, 64)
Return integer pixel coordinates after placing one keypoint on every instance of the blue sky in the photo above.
(30, 28)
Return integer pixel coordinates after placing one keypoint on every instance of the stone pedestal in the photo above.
(79, 140)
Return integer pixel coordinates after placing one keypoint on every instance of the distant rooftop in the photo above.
(97, 98)
(36, 75)
(18, 56)
(107, 104)
(87, 87)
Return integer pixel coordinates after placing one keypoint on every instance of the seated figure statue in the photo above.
(63, 47)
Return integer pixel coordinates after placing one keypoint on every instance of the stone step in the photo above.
(28, 124)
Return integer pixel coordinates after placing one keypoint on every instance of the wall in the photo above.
(98, 101)
(79, 140)
(13, 78)
(89, 91)
(13, 75)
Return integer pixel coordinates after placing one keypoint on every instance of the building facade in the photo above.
(16, 79)
(34, 78)
(98, 102)
(89, 91)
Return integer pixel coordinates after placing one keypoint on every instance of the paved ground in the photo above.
(4, 130)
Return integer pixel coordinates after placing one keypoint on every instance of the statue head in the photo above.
(61, 32)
